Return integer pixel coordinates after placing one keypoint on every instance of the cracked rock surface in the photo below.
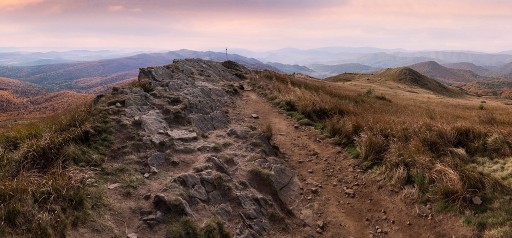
(181, 155)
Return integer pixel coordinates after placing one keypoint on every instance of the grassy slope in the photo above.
(411, 77)
(44, 172)
(21, 100)
(438, 149)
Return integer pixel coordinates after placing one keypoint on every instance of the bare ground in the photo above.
(350, 202)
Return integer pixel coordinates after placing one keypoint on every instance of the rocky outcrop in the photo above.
(195, 159)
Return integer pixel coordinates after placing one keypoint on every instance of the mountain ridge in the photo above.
(63, 76)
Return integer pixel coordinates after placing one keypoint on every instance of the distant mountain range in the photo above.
(93, 76)
(375, 57)
(98, 71)
(10, 57)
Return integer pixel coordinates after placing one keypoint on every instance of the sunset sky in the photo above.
(479, 25)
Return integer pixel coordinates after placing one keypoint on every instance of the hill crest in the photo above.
(411, 77)
(435, 70)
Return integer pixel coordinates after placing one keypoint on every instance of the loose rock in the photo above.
(182, 135)
(131, 235)
(476, 200)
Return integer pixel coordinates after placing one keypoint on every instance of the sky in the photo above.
(259, 25)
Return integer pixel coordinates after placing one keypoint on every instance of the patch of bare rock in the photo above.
(188, 162)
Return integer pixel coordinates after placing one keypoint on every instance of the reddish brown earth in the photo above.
(321, 164)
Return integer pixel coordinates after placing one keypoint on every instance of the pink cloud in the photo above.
(261, 24)
(16, 4)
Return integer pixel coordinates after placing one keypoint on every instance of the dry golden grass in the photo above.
(428, 144)
(42, 189)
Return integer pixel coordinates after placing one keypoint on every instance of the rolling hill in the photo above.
(20, 99)
(290, 69)
(332, 70)
(477, 69)
(434, 70)
(345, 77)
(503, 71)
(413, 78)
(19, 88)
(498, 88)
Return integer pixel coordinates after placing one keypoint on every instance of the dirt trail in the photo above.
(348, 201)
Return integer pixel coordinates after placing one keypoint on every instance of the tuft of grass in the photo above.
(42, 190)
(144, 84)
(268, 132)
(186, 227)
(214, 228)
(382, 98)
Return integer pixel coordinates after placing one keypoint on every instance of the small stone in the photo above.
(118, 105)
(255, 116)
(115, 185)
(350, 193)
(149, 218)
(314, 190)
(146, 175)
(153, 170)
(132, 235)
(310, 171)
(319, 231)
(147, 196)
(320, 224)
(379, 230)
(476, 200)
(408, 223)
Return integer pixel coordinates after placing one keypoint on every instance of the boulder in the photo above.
(188, 180)
(199, 192)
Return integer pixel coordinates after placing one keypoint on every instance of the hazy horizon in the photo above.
(257, 25)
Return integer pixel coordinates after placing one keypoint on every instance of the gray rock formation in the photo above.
(185, 136)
